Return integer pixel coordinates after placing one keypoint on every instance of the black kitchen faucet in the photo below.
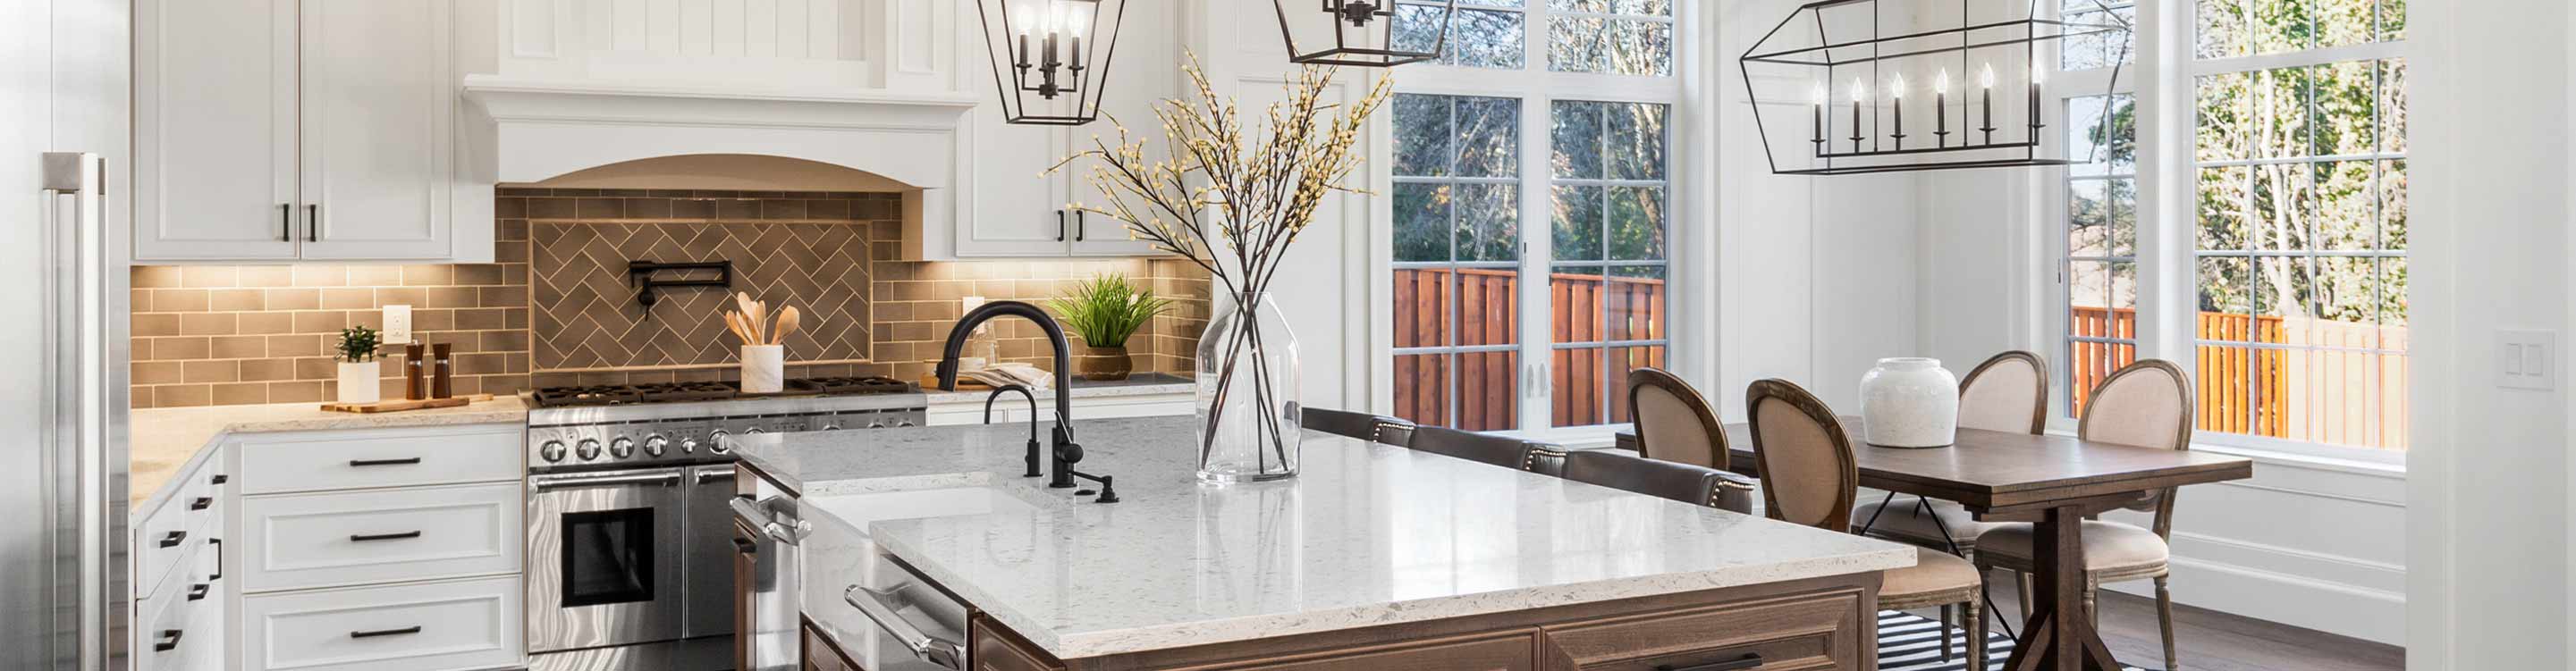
(1065, 452)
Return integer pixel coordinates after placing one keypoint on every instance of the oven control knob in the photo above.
(587, 449)
(831, 427)
(622, 448)
(876, 423)
(688, 446)
(903, 421)
(553, 451)
(654, 444)
(715, 441)
(753, 431)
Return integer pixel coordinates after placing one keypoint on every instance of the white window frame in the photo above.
(2052, 187)
(1538, 87)
(2167, 64)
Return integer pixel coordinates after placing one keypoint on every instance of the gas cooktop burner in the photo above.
(674, 392)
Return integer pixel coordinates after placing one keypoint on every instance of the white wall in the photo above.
(2489, 530)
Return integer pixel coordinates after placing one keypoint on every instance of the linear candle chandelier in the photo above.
(1050, 57)
(1854, 70)
(1367, 33)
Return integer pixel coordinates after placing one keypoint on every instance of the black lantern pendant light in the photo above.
(1050, 57)
(1368, 33)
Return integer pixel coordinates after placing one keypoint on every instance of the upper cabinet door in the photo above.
(379, 122)
(214, 124)
(1145, 71)
(1017, 210)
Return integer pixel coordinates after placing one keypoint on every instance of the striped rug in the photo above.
(1909, 642)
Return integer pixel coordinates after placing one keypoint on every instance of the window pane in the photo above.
(2225, 121)
(1488, 137)
(1422, 135)
(1487, 39)
(2087, 47)
(1421, 320)
(2222, 28)
(1633, 301)
(2088, 219)
(1636, 140)
(1614, 387)
(1636, 225)
(2280, 25)
(1421, 222)
(2278, 123)
(2226, 389)
(2345, 22)
(1609, 45)
(2393, 318)
(1578, 222)
(1577, 139)
(1576, 304)
(1578, 386)
(2392, 20)
(1422, 388)
(1488, 222)
(2225, 298)
(1631, 7)
(2346, 216)
(1488, 306)
(1486, 382)
(2100, 145)
(2124, 216)
(2392, 205)
(2279, 192)
(2345, 291)
(2226, 203)
(2346, 93)
(2392, 105)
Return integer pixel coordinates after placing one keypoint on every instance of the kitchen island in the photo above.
(1375, 557)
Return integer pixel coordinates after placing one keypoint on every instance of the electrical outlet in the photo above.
(397, 324)
(2527, 360)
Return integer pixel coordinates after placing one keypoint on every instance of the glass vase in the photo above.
(1247, 394)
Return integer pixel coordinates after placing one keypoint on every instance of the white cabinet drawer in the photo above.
(466, 624)
(305, 462)
(321, 540)
(177, 528)
(180, 627)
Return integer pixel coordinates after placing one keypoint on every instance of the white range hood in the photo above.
(546, 129)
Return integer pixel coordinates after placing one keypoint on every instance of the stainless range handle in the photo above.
(752, 513)
(932, 649)
(713, 474)
(541, 483)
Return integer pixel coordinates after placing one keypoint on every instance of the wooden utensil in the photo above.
(733, 322)
(788, 321)
(750, 317)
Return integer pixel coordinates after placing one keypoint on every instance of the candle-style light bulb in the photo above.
(1073, 27)
(1986, 79)
(1941, 83)
(1820, 93)
(1941, 107)
(1986, 101)
(1896, 101)
(1023, 18)
(1860, 91)
(1860, 96)
(1817, 126)
(1896, 89)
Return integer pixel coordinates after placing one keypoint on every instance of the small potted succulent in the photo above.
(358, 371)
(1105, 311)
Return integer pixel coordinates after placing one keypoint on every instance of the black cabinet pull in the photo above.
(168, 641)
(362, 538)
(745, 546)
(1059, 225)
(1748, 661)
(1081, 225)
(220, 479)
(219, 558)
(198, 591)
(285, 222)
(312, 223)
(172, 539)
(414, 629)
(363, 463)
(202, 503)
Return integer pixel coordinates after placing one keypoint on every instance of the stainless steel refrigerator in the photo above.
(64, 133)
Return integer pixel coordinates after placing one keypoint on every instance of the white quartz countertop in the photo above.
(1144, 384)
(1366, 535)
(161, 442)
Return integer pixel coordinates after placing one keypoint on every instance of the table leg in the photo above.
(2059, 635)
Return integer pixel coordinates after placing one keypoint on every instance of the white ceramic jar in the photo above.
(1909, 402)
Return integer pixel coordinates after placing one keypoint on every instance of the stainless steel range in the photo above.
(630, 548)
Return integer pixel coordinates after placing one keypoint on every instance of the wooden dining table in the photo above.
(2051, 481)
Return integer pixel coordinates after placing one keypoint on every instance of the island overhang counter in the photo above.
(1375, 555)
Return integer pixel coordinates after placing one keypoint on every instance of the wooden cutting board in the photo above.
(931, 383)
(402, 405)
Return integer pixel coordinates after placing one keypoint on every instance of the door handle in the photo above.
(928, 648)
(414, 629)
(364, 538)
(758, 517)
(714, 474)
(312, 222)
(219, 558)
(1059, 225)
(285, 222)
(73, 247)
(1081, 225)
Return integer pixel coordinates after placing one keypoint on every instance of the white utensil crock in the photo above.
(358, 383)
(1909, 402)
(763, 368)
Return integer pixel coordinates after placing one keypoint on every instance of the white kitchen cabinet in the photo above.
(1019, 213)
(178, 574)
(270, 130)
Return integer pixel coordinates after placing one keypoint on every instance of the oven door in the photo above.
(604, 563)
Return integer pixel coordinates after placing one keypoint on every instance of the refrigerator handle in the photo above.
(74, 379)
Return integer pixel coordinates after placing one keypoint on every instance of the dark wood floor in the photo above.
(2215, 641)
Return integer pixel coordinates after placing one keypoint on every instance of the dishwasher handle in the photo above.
(758, 516)
(928, 648)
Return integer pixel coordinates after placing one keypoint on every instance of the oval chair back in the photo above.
(1808, 473)
(1674, 423)
(2006, 393)
(2146, 404)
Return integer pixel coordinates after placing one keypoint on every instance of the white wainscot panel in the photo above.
(2321, 547)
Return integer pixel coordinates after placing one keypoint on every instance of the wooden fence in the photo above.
(1589, 384)
(2343, 394)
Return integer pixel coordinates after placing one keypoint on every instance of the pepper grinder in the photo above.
(414, 383)
(442, 369)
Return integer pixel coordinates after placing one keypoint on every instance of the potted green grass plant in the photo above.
(1105, 311)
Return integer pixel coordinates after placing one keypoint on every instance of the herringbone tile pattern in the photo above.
(587, 315)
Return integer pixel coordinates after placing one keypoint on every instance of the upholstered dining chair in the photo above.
(1361, 425)
(1674, 423)
(1810, 477)
(2147, 404)
(1682, 482)
(2008, 392)
(1501, 451)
